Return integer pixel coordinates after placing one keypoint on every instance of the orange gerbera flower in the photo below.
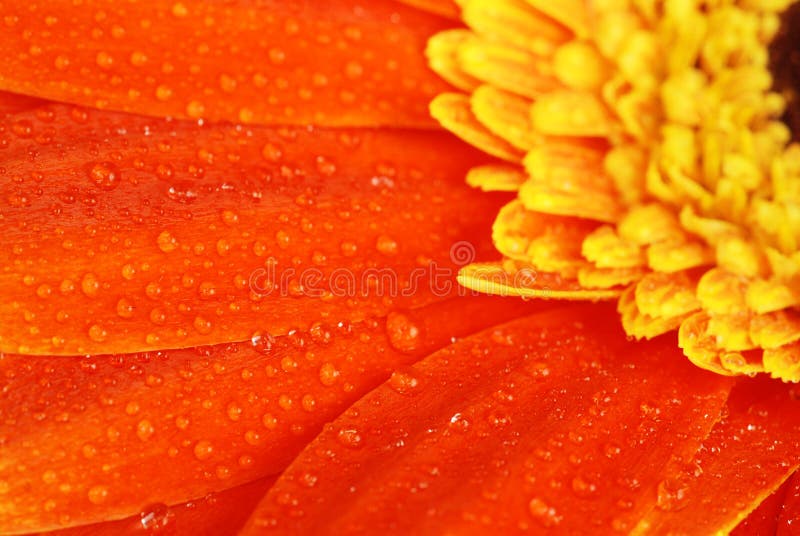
(231, 238)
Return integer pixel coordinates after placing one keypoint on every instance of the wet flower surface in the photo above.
(233, 236)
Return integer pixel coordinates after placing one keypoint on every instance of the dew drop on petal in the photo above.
(543, 513)
(104, 175)
(90, 285)
(144, 430)
(386, 246)
(98, 494)
(155, 516)
(672, 495)
(404, 381)
(203, 450)
(403, 334)
(167, 242)
(349, 437)
(328, 374)
(270, 421)
(97, 333)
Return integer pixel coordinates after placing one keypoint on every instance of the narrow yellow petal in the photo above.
(454, 113)
(442, 54)
(496, 178)
(495, 279)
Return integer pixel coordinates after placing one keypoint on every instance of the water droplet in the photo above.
(153, 290)
(349, 437)
(230, 217)
(195, 109)
(543, 513)
(403, 334)
(104, 175)
(271, 152)
(155, 516)
(88, 451)
(353, 70)
(583, 488)
(325, 166)
(104, 60)
(223, 247)
(276, 56)
(234, 411)
(181, 422)
(283, 239)
(138, 58)
(672, 495)
(404, 382)
(227, 83)
(348, 249)
(97, 333)
(144, 430)
(328, 374)
(309, 403)
(90, 285)
(270, 421)
(167, 242)
(203, 450)
(202, 325)
(124, 308)
(252, 437)
(386, 245)
(223, 472)
(44, 291)
(459, 423)
(207, 290)
(262, 342)
(98, 494)
(163, 93)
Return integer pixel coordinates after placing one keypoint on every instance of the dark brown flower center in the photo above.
(784, 54)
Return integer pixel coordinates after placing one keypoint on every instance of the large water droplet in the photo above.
(203, 450)
(104, 175)
(403, 334)
(155, 516)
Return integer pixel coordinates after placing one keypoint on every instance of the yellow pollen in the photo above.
(645, 143)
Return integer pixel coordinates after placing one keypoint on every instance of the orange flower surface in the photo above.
(250, 285)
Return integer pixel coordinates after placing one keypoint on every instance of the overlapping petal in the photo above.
(554, 421)
(338, 62)
(747, 456)
(96, 438)
(216, 513)
(125, 233)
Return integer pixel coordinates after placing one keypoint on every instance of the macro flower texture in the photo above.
(399, 267)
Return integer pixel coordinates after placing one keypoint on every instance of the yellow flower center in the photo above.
(645, 143)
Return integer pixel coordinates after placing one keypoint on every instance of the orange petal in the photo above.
(446, 8)
(764, 519)
(551, 421)
(747, 456)
(128, 234)
(788, 517)
(12, 103)
(217, 513)
(92, 439)
(340, 62)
